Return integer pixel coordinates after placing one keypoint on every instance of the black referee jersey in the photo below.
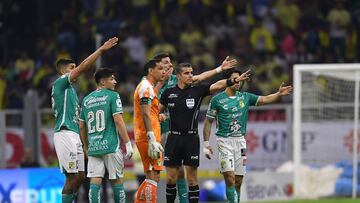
(184, 106)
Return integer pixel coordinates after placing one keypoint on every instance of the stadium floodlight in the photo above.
(326, 117)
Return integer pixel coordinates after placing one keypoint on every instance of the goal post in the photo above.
(326, 105)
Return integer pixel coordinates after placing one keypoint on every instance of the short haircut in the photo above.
(102, 73)
(161, 55)
(150, 64)
(62, 63)
(178, 69)
(228, 73)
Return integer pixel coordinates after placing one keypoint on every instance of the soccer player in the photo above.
(183, 145)
(65, 104)
(101, 125)
(230, 109)
(171, 81)
(147, 129)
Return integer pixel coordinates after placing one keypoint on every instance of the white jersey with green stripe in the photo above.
(231, 112)
(65, 104)
(97, 111)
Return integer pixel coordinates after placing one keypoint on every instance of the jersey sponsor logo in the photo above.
(172, 96)
(166, 158)
(171, 105)
(93, 100)
(234, 109)
(190, 103)
(225, 107)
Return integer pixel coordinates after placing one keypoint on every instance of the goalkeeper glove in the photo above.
(129, 150)
(154, 148)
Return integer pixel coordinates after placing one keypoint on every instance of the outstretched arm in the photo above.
(86, 64)
(221, 84)
(226, 64)
(271, 98)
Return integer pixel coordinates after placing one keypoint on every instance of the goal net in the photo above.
(326, 121)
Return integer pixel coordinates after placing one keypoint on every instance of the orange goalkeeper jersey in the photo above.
(146, 90)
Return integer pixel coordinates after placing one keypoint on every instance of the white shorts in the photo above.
(69, 151)
(232, 154)
(112, 162)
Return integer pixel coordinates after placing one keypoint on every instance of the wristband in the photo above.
(206, 143)
(229, 82)
(218, 69)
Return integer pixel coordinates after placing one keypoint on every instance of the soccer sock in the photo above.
(231, 194)
(147, 191)
(119, 193)
(67, 198)
(94, 193)
(182, 190)
(140, 196)
(170, 193)
(238, 195)
(194, 194)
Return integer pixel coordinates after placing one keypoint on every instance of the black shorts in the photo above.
(182, 150)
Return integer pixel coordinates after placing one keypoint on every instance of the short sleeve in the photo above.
(146, 91)
(63, 82)
(212, 109)
(116, 105)
(204, 89)
(253, 99)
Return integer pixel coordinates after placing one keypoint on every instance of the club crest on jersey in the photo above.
(190, 103)
(242, 104)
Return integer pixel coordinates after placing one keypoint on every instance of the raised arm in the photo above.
(221, 84)
(271, 98)
(226, 64)
(121, 128)
(86, 64)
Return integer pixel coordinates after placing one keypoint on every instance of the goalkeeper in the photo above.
(230, 109)
(147, 130)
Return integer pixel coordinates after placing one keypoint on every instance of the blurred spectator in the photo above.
(261, 39)
(24, 66)
(339, 19)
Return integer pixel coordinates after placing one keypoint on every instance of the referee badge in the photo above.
(190, 103)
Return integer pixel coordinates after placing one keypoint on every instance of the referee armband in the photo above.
(145, 101)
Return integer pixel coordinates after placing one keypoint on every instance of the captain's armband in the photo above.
(145, 101)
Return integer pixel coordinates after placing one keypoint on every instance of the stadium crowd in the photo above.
(269, 35)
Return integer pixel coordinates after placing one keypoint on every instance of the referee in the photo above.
(183, 145)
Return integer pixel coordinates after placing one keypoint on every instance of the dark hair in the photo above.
(227, 74)
(62, 63)
(102, 73)
(161, 55)
(178, 69)
(150, 64)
